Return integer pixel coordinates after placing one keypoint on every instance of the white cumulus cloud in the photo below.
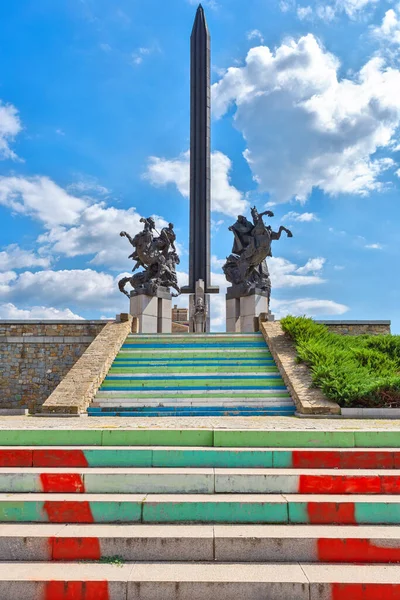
(84, 287)
(14, 257)
(306, 217)
(310, 307)
(255, 34)
(374, 246)
(285, 274)
(304, 12)
(96, 232)
(312, 266)
(40, 198)
(10, 126)
(225, 198)
(328, 10)
(12, 312)
(305, 126)
(389, 30)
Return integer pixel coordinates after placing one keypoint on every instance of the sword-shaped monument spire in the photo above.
(200, 150)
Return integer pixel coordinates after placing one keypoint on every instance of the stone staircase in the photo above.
(152, 514)
(189, 375)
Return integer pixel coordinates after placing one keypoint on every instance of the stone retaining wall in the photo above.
(358, 327)
(36, 355)
(78, 388)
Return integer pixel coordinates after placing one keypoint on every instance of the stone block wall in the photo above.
(36, 355)
(79, 387)
(358, 327)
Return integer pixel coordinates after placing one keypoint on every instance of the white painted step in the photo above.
(205, 543)
(167, 480)
(191, 581)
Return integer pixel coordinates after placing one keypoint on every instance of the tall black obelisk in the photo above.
(200, 154)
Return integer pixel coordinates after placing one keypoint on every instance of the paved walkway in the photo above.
(267, 423)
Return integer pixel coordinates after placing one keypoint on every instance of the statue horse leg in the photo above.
(121, 285)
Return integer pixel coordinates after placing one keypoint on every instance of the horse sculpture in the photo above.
(246, 268)
(158, 257)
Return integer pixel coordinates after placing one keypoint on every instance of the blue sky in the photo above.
(94, 134)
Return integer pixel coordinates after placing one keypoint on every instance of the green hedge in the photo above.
(359, 370)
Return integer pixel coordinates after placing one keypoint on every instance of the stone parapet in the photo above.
(297, 376)
(79, 386)
(27, 328)
(357, 327)
(36, 355)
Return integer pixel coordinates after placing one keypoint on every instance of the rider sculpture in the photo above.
(157, 256)
(246, 268)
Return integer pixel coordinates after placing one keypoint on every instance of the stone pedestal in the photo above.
(242, 312)
(153, 313)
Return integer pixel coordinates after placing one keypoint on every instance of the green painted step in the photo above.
(200, 508)
(173, 354)
(225, 438)
(232, 395)
(158, 370)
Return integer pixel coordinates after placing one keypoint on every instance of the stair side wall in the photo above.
(297, 376)
(36, 355)
(78, 388)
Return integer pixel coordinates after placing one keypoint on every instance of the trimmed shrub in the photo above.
(351, 370)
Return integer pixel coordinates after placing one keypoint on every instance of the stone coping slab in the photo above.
(271, 423)
(297, 376)
(54, 321)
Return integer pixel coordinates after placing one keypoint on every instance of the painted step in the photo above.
(131, 411)
(242, 358)
(179, 405)
(278, 412)
(200, 508)
(205, 395)
(202, 437)
(198, 581)
(197, 481)
(231, 351)
(138, 370)
(153, 456)
(210, 403)
(192, 344)
(209, 336)
(202, 543)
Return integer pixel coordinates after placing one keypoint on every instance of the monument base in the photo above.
(242, 312)
(153, 313)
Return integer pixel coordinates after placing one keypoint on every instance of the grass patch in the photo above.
(354, 371)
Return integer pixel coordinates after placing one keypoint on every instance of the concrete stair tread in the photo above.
(344, 573)
(239, 498)
(64, 496)
(126, 530)
(169, 471)
(99, 530)
(53, 571)
(202, 572)
(151, 572)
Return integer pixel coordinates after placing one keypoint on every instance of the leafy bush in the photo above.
(351, 370)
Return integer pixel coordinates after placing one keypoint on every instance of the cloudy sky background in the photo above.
(94, 134)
